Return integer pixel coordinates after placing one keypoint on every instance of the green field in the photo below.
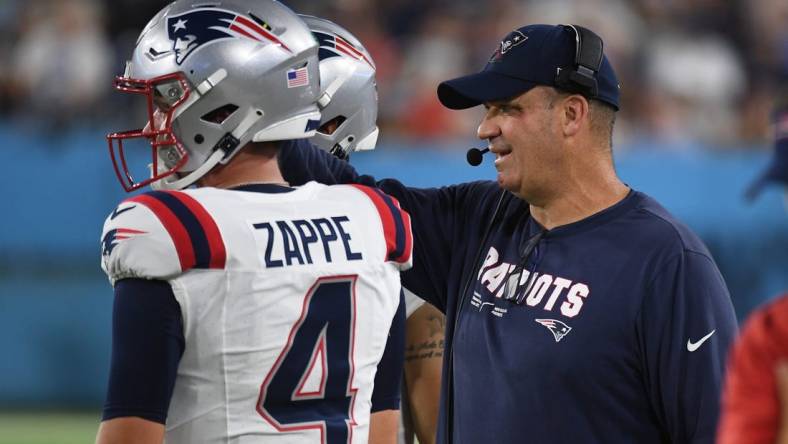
(48, 428)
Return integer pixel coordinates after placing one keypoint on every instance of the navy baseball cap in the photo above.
(777, 169)
(526, 57)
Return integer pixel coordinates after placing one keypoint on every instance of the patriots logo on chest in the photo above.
(556, 327)
(194, 29)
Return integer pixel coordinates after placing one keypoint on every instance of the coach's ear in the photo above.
(574, 114)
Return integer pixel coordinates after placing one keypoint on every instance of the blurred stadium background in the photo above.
(699, 78)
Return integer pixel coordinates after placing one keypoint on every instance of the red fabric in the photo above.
(408, 234)
(750, 406)
(385, 217)
(215, 241)
(178, 234)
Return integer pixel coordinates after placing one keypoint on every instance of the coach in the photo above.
(578, 309)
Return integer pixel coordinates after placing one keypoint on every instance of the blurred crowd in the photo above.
(692, 72)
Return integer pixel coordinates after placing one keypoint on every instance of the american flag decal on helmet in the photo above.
(333, 45)
(297, 77)
(193, 29)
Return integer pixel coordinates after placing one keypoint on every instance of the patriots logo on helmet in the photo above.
(557, 328)
(513, 39)
(194, 29)
(335, 46)
(113, 238)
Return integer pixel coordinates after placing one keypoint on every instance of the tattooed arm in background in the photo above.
(423, 359)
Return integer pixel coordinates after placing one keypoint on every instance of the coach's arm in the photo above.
(130, 431)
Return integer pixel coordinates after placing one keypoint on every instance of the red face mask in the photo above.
(163, 95)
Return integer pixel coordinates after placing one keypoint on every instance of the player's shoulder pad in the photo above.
(396, 226)
(158, 235)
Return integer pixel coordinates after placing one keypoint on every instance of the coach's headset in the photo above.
(580, 79)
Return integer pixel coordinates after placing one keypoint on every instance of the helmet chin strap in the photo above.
(194, 176)
(218, 156)
(341, 149)
(332, 88)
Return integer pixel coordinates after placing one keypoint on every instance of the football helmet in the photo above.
(349, 96)
(216, 76)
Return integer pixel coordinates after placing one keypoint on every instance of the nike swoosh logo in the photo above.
(118, 212)
(692, 346)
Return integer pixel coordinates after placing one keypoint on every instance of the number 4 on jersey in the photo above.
(325, 329)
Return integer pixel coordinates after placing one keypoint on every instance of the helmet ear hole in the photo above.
(329, 127)
(220, 114)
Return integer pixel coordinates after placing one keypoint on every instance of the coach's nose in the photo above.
(488, 128)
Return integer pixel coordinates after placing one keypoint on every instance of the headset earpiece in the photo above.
(581, 78)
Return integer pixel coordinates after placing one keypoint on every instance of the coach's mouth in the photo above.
(500, 151)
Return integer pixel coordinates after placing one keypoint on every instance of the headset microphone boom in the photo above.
(474, 156)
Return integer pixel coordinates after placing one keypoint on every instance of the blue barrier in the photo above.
(55, 338)
(55, 303)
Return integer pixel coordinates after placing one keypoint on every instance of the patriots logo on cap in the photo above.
(335, 46)
(194, 29)
(513, 39)
(557, 328)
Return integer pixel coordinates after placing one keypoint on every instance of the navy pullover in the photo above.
(621, 334)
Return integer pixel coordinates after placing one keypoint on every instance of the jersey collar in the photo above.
(629, 202)
(264, 188)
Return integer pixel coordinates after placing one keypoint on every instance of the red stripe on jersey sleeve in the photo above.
(389, 231)
(408, 234)
(129, 231)
(178, 234)
(215, 240)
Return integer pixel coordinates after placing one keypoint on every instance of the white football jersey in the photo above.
(287, 299)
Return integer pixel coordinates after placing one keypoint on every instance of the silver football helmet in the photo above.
(349, 96)
(217, 75)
